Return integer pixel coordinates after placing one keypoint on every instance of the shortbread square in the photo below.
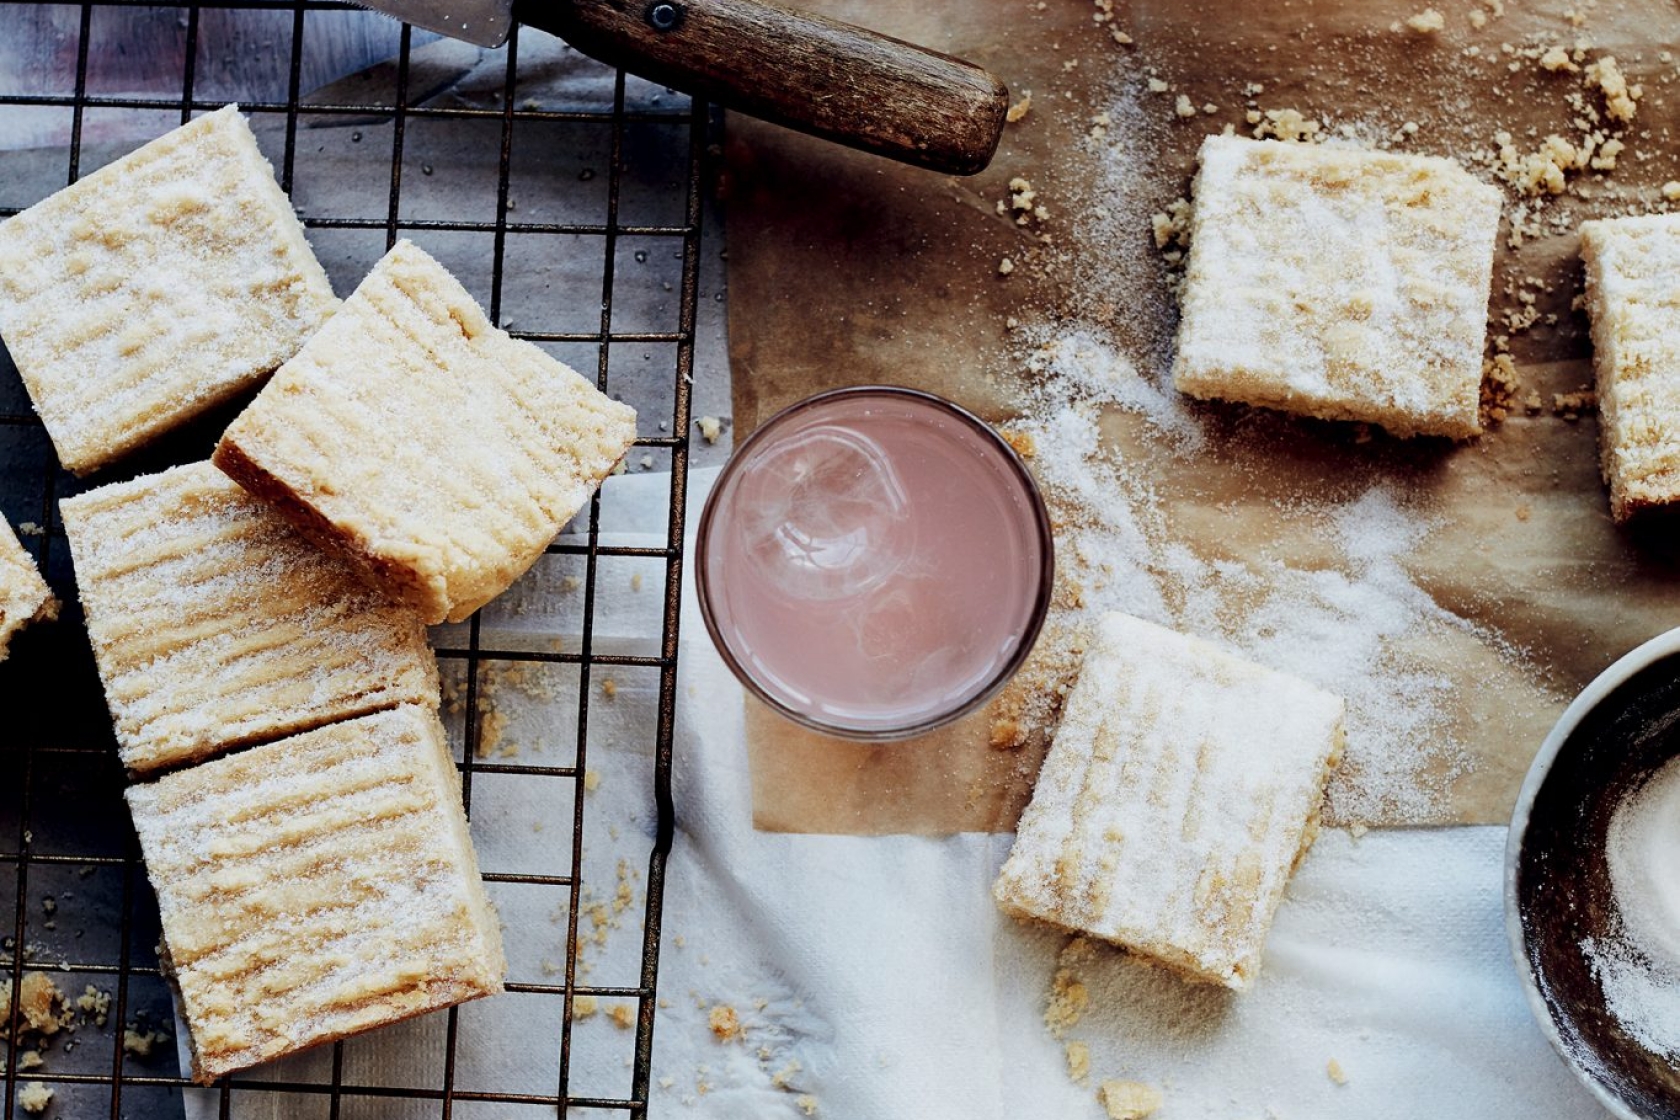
(416, 437)
(155, 288)
(215, 624)
(316, 887)
(1339, 283)
(24, 595)
(1182, 787)
(1633, 297)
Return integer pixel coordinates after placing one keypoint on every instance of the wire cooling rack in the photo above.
(65, 841)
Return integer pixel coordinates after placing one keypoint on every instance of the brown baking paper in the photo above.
(846, 269)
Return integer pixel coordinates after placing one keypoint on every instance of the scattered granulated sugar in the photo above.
(1128, 1100)
(725, 1024)
(1333, 1069)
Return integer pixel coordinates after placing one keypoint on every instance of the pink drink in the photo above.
(874, 562)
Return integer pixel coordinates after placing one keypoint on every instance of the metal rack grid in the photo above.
(39, 742)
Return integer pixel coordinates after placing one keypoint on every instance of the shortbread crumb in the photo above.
(1128, 1100)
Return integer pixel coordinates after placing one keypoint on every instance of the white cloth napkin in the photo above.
(874, 979)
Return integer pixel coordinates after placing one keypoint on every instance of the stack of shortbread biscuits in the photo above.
(259, 620)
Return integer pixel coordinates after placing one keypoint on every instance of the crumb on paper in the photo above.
(609, 687)
(710, 428)
(34, 1098)
(1333, 1069)
(1426, 22)
(584, 1006)
(636, 581)
(1019, 109)
(783, 1077)
(1128, 1100)
(1290, 125)
(30, 1059)
(1620, 98)
(807, 1104)
(1005, 267)
(725, 1024)
(1572, 406)
(1184, 108)
(1079, 1062)
(622, 1017)
(492, 727)
(591, 780)
(1068, 1000)
(1500, 388)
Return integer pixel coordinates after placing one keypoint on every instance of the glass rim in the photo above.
(1040, 607)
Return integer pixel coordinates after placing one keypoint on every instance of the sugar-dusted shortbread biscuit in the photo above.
(155, 288)
(215, 624)
(317, 886)
(416, 437)
(1340, 283)
(1633, 296)
(24, 595)
(1182, 786)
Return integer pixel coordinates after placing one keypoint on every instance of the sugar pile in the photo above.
(1639, 967)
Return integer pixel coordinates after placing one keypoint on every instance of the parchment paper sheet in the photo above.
(894, 277)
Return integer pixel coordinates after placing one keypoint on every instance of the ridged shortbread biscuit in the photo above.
(155, 288)
(1182, 787)
(425, 442)
(1340, 283)
(417, 437)
(1633, 275)
(317, 886)
(216, 624)
(24, 595)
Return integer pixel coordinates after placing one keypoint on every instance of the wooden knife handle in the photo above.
(813, 74)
